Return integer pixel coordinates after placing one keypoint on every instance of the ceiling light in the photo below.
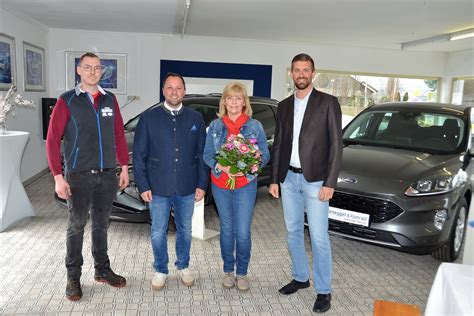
(462, 34)
(187, 4)
(440, 38)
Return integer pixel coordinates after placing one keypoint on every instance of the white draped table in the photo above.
(14, 203)
(452, 292)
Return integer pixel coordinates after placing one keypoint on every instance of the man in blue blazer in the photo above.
(170, 173)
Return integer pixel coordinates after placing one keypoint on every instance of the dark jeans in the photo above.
(92, 192)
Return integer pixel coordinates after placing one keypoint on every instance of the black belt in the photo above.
(295, 170)
(96, 171)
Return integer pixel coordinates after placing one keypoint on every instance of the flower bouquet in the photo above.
(241, 155)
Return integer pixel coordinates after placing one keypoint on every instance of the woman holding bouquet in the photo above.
(236, 149)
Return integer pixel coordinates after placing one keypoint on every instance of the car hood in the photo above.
(388, 170)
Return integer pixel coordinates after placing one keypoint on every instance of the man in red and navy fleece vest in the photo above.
(170, 173)
(89, 121)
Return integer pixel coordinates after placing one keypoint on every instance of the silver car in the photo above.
(405, 181)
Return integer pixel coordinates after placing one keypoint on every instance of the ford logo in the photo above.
(349, 180)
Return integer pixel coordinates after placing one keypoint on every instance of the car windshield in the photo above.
(430, 132)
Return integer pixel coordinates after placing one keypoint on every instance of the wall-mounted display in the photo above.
(7, 61)
(35, 76)
(114, 71)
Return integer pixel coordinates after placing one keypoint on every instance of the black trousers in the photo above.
(90, 193)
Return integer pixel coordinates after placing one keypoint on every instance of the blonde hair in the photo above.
(234, 88)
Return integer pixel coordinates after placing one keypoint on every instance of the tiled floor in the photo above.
(32, 272)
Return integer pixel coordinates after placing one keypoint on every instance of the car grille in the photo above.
(379, 210)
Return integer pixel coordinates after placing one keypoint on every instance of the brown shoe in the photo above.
(73, 290)
(108, 276)
(228, 281)
(243, 283)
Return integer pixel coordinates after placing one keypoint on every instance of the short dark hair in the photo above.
(88, 54)
(302, 57)
(173, 74)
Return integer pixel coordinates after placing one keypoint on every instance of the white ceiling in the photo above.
(364, 23)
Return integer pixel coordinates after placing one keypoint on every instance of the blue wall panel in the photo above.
(260, 74)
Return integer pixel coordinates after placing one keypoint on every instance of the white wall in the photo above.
(458, 64)
(34, 159)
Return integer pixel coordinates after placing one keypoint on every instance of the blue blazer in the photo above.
(167, 152)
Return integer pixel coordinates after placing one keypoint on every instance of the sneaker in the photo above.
(243, 283)
(108, 276)
(186, 277)
(229, 280)
(159, 280)
(73, 290)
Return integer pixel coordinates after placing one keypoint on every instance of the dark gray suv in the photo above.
(405, 181)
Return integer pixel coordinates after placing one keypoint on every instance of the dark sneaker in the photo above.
(73, 290)
(108, 276)
(323, 303)
(293, 286)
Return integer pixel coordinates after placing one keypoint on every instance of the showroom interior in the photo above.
(384, 50)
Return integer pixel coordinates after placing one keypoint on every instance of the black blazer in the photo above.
(320, 141)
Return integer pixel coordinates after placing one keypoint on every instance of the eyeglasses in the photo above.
(90, 68)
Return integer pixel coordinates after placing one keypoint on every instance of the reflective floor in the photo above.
(33, 276)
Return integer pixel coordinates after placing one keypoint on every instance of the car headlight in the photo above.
(431, 186)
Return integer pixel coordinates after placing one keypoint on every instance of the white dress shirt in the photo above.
(173, 109)
(300, 108)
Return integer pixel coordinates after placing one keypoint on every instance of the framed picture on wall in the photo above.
(35, 76)
(7, 61)
(114, 71)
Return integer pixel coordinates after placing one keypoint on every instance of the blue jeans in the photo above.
(160, 209)
(235, 208)
(297, 195)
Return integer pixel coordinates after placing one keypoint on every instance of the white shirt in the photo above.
(300, 108)
(172, 109)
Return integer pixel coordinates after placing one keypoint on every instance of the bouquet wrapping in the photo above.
(241, 155)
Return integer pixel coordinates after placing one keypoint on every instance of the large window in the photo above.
(463, 91)
(355, 91)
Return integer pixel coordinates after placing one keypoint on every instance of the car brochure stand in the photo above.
(199, 230)
(14, 203)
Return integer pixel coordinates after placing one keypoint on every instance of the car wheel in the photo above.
(451, 250)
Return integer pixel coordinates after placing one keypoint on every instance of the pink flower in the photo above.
(229, 146)
(231, 138)
(254, 169)
(257, 154)
(252, 141)
(244, 148)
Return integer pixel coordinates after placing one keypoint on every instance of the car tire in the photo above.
(451, 250)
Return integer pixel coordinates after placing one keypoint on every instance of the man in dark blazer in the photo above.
(170, 173)
(306, 158)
